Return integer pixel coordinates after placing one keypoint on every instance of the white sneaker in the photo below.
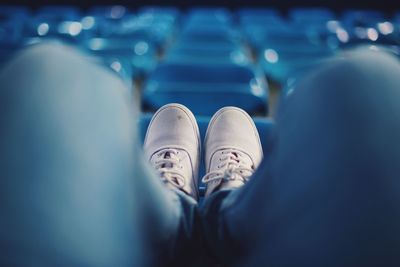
(233, 150)
(172, 146)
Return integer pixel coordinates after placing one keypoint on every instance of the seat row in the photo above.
(205, 58)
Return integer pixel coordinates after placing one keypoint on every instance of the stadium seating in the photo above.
(279, 62)
(311, 15)
(205, 88)
(138, 52)
(203, 57)
(362, 17)
(216, 54)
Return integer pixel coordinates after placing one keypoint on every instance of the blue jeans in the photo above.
(329, 193)
(74, 187)
(75, 190)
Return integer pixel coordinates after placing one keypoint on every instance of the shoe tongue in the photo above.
(234, 156)
(246, 160)
(167, 155)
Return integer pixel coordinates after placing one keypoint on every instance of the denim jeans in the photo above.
(76, 191)
(328, 193)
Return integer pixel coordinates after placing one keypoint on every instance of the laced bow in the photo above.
(233, 166)
(168, 165)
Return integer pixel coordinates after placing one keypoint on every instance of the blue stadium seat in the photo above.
(10, 31)
(311, 15)
(7, 11)
(58, 13)
(208, 37)
(259, 16)
(255, 21)
(67, 31)
(397, 18)
(362, 17)
(114, 12)
(208, 15)
(193, 53)
(383, 33)
(10, 38)
(157, 30)
(264, 126)
(286, 35)
(56, 22)
(104, 20)
(280, 61)
(206, 88)
(157, 11)
(139, 52)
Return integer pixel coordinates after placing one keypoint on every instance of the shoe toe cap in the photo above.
(172, 126)
(233, 127)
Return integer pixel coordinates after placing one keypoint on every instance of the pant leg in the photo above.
(74, 189)
(329, 194)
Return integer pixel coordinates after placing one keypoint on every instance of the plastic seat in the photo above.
(139, 52)
(9, 11)
(208, 38)
(157, 11)
(279, 62)
(110, 12)
(58, 13)
(259, 16)
(256, 20)
(206, 88)
(264, 126)
(56, 22)
(104, 20)
(397, 17)
(208, 15)
(285, 36)
(214, 54)
(157, 31)
(10, 31)
(362, 17)
(311, 15)
(10, 38)
(383, 33)
(67, 31)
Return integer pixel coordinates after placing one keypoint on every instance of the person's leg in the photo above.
(329, 193)
(172, 147)
(74, 188)
(233, 152)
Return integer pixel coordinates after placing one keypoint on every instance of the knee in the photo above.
(42, 53)
(351, 100)
(361, 80)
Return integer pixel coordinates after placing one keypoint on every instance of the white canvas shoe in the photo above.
(233, 150)
(172, 146)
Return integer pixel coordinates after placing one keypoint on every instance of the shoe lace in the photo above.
(233, 166)
(168, 165)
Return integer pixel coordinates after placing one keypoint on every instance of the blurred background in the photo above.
(208, 54)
